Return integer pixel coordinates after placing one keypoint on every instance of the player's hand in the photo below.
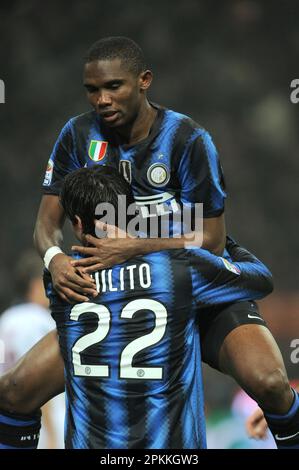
(116, 248)
(71, 283)
(256, 425)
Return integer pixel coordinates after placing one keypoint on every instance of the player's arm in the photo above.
(211, 238)
(253, 271)
(246, 278)
(49, 223)
(214, 234)
(71, 285)
(106, 252)
(202, 185)
(48, 237)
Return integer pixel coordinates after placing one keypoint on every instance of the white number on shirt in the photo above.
(127, 371)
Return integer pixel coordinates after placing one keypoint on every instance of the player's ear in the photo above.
(78, 228)
(145, 80)
(77, 223)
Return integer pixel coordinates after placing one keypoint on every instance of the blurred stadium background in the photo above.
(227, 64)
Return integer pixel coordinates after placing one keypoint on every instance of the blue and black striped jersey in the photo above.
(132, 354)
(176, 164)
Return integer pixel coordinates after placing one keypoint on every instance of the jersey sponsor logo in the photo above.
(154, 198)
(97, 150)
(158, 174)
(49, 173)
(231, 267)
(125, 169)
(157, 205)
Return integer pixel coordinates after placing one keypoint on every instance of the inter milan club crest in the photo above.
(97, 150)
(125, 170)
(158, 174)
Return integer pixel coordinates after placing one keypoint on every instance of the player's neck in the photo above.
(140, 128)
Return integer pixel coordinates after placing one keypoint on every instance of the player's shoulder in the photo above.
(79, 122)
(185, 121)
(186, 129)
(76, 125)
(82, 120)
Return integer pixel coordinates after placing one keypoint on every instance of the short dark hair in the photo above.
(84, 189)
(118, 47)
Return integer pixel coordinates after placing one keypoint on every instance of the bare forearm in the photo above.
(142, 246)
(214, 246)
(106, 252)
(49, 223)
(211, 236)
(214, 234)
(46, 236)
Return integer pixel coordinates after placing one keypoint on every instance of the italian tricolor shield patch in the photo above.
(97, 149)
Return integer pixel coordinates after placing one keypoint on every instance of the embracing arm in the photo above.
(72, 285)
(106, 252)
(212, 239)
(49, 223)
(243, 278)
(253, 271)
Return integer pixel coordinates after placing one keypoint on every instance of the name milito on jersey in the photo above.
(125, 279)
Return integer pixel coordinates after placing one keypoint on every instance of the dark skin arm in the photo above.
(71, 284)
(36, 378)
(107, 252)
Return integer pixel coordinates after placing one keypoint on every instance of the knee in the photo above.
(272, 389)
(13, 398)
(8, 394)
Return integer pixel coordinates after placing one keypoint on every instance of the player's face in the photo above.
(115, 93)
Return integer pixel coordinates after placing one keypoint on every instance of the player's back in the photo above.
(132, 356)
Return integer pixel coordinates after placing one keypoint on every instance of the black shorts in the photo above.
(216, 322)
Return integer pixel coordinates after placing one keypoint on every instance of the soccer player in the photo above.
(132, 354)
(168, 160)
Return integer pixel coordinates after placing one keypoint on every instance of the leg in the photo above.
(36, 378)
(251, 356)
(236, 341)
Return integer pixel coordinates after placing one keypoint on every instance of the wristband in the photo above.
(50, 253)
